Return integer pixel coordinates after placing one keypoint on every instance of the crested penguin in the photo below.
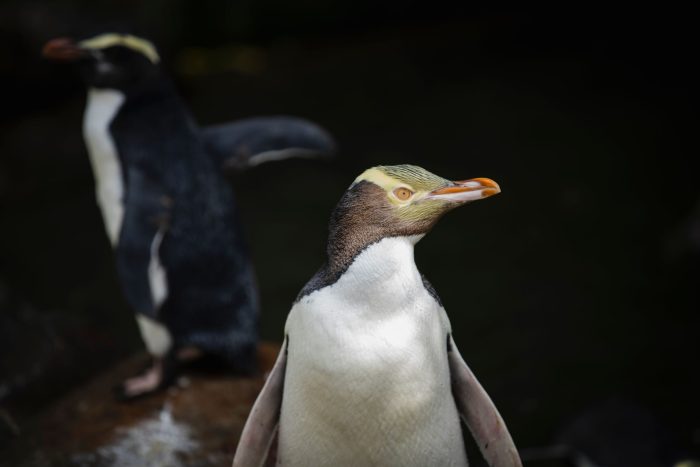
(168, 211)
(369, 373)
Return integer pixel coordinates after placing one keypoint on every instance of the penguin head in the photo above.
(402, 200)
(115, 61)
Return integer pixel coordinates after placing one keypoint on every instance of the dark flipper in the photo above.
(147, 213)
(261, 426)
(246, 143)
(480, 415)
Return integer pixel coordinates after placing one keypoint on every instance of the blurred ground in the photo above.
(578, 283)
(196, 424)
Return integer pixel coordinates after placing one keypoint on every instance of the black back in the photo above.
(173, 186)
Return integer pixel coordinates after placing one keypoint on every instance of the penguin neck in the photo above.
(156, 90)
(345, 247)
(154, 109)
(155, 85)
(361, 219)
(386, 266)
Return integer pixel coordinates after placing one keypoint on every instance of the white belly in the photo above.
(102, 107)
(367, 379)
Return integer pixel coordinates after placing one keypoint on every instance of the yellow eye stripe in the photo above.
(415, 178)
(126, 40)
(379, 178)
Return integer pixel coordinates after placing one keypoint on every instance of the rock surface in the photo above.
(195, 424)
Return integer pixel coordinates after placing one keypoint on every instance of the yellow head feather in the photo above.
(126, 40)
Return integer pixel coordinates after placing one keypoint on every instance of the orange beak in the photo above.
(62, 49)
(464, 191)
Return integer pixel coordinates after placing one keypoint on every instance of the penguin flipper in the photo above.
(145, 222)
(246, 143)
(480, 414)
(261, 426)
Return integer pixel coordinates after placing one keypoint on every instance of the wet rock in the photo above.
(196, 423)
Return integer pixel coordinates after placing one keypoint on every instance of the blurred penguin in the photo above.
(615, 433)
(167, 208)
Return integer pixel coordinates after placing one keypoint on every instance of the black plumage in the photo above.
(179, 213)
(172, 185)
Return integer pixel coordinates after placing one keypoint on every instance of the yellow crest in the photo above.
(126, 40)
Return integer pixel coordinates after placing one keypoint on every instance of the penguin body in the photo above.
(168, 211)
(180, 219)
(344, 338)
(369, 373)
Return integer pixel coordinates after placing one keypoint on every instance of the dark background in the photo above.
(577, 284)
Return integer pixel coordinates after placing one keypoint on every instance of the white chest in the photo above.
(102, 107)
(367, 380)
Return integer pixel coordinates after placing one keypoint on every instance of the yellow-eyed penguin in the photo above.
(369, 374)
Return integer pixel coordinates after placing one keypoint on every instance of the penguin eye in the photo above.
(403, 193)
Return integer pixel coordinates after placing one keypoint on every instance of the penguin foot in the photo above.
(189, 354)
(146, 383)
